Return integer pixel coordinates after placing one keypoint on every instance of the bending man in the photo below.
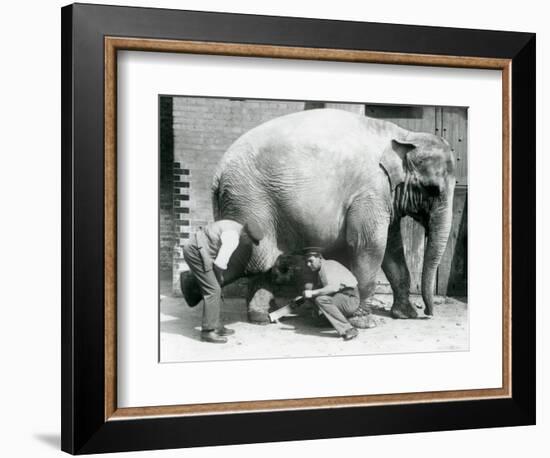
(207, 254)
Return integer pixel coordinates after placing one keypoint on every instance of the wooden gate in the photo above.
(450, 123)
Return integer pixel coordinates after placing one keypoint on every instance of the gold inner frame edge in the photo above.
(114, 44)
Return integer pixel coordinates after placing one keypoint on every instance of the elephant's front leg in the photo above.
(260, 298)
(397, 273)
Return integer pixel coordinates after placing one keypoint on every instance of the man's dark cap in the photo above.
(312, 250)
(254, 231)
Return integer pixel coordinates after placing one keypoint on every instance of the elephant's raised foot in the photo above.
(256, 317)
(260, 299)
(403, 311)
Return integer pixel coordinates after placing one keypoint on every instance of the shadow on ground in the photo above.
(52, 440)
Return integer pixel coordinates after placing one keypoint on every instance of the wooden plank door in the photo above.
(453, 270)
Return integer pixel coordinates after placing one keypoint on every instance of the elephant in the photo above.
(341, 181)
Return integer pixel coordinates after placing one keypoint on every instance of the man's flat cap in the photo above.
(312, 250)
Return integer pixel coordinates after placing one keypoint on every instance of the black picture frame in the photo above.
(84, 426)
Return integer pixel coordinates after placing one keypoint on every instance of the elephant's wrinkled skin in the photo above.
(335, 179)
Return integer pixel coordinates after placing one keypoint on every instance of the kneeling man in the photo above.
(335, 291)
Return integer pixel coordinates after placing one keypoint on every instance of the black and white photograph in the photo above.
(305, 228)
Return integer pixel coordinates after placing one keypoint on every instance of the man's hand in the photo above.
(308, 293)
(219, 274)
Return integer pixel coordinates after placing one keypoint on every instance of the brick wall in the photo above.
(167, 235)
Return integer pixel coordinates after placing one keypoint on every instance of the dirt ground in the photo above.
(303, 336)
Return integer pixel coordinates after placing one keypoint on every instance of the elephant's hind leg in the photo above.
(397, 273)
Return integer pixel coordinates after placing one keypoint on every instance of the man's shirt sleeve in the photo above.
(230, 242)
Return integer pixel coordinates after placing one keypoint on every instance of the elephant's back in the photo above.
(322, 147)
(332, 135)
(319, 134)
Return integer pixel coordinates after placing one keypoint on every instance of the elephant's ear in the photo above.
(393, 161)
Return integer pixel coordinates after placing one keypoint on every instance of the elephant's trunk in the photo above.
(438, 228)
